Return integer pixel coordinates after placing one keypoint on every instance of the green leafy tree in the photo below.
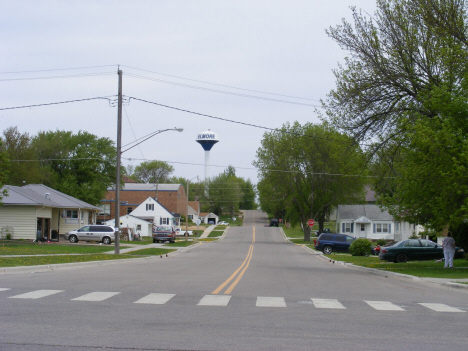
(24, 166)
(81, 165)
(4, 169)
(403, 89)
(309, 170)
(153, 172)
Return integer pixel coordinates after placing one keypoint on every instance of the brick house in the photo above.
(171, 196)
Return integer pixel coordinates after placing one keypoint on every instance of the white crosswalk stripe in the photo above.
(440, 307)
(156, 299)
(263, 301)
(214, 300)
(384, 306)
(327, 303)
(96, 296)
(4, 289)
(36, 294)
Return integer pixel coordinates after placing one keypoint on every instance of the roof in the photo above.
(148, 187)
(41, 195)
(370, 194)
(353, 212)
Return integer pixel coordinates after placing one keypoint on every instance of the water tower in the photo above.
(207, 139)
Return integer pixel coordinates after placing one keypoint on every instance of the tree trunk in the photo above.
(306, 232)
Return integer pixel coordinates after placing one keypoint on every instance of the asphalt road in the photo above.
(250, 291)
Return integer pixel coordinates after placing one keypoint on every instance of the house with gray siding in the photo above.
(370, 222)
(36, 210)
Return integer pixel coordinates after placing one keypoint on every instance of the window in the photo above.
(138, 227)
(164, 221)
(71, 214)
(348, 227)
(363, 227)
(340, 238)
(149, 207)
(129, 210)
(104, 209)
(190, 216)
(382, 228)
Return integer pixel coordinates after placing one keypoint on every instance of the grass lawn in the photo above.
(298, 233)
(181, 243)
(145, 240)
(215, 233)
(46, 260)
(426, 269)
(12, 247)
(150, 251)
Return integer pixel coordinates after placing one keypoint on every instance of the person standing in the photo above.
(448, 245)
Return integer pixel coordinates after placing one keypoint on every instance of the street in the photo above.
(252, 290)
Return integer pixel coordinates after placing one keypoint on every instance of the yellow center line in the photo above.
(247, 260)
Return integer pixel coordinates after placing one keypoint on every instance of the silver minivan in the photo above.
(101, 233)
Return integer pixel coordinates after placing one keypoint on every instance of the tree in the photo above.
(309, 170)
(404, 90)
(80, 165)
(4, 169)
(153, 172)
(24, 166)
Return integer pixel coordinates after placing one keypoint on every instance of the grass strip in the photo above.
(30, 248)
(181, 243)
(422, 269)
(46, 260)
(215, 233)
(150, 252)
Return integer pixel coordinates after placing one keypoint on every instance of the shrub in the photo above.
(381, 242)
(8, 236)
(360, 247)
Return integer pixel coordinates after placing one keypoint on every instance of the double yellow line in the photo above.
(244, 267)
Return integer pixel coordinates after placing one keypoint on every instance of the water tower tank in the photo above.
(207, 139)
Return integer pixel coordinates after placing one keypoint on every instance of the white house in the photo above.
(137, 225)
(35, 210)
(152, 211)
(369, 221)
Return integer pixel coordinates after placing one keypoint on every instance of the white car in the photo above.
(223, 223)
(180, 231)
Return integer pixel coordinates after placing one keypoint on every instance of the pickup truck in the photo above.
(181, 232)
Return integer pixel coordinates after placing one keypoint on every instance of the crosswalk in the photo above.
(224, 300)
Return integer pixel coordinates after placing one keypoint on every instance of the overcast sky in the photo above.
(169, 52)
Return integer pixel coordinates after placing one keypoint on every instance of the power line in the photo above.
(220, 91)
(223, 85)
(61, 77)
(57, 69)
(56, 103)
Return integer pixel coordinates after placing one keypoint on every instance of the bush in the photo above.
(8, 236)
(381, 242)
(360, 247)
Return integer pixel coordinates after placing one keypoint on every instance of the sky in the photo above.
(233, 64)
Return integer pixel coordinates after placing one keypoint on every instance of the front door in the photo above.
(362, 231)
(43, 229)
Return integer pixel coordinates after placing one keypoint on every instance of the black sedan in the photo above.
(415, 249)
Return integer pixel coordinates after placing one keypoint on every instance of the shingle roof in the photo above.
(148, 187)
(373, 212)
(35, 195)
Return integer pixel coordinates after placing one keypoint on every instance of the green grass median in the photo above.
(10, 247)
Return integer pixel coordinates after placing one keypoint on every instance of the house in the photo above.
(369, 221)
(209, 217)
(35, 210)
(152, 211)
(137, 225)
(171, 196)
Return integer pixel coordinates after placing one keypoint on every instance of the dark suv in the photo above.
(329, 242)
(274, 222)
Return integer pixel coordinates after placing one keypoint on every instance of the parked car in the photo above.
(274, 222)
(415, 249)
(182, 232)
(101, 233)
(223, 223)
(211, 222)
(330, 242)
(325, 230)
(163, 233)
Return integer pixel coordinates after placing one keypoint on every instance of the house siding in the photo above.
(22, 219)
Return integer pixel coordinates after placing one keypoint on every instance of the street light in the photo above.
(186, 217)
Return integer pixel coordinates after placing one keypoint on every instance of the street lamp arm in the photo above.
(152, 135)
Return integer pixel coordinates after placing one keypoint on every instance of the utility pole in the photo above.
(117, 178)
